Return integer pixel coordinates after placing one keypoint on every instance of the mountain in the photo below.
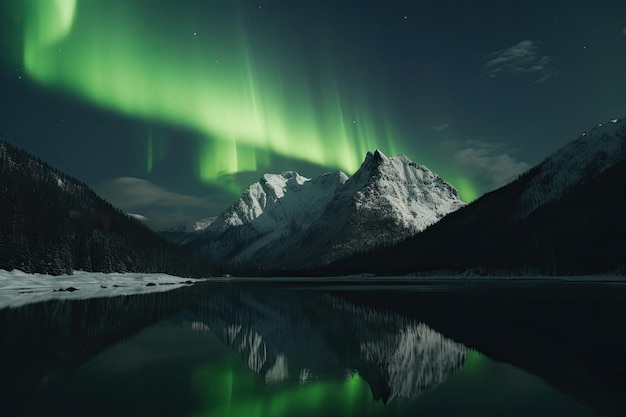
(181, 233)
(564, 216)
(384, 202)
(270, 213)
(577, 162)
(52, 223)
(289, 221)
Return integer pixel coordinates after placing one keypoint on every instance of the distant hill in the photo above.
(52, 223)
(181, 233)
(564, 216)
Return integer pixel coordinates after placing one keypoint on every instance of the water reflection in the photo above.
(230, 349)
(291, 336)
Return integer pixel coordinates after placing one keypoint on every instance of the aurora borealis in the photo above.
(204, 97)
(245, 106)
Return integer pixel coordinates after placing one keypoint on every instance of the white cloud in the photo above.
(489, 164)
(138, 216)
(521, 59)
(440, 128)
(130, 192)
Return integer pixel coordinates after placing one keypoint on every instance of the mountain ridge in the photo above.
(288, 221)
(577, 230)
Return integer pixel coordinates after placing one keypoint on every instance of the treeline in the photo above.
(51, 223)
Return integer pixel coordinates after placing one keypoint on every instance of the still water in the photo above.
(289, 349)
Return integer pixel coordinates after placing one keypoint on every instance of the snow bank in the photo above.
(18, 288)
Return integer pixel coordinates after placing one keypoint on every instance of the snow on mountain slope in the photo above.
(577, 162)
(280, 197)
(417, 196)
(277, 206)
(385, 201)
(202, 224)
(286, 220)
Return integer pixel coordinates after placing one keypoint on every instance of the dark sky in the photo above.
(169, 108)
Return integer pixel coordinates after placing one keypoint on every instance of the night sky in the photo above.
(170, 108)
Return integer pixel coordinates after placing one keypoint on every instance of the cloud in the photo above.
(159, 208)
(130, 192)
(488, 164)
(521, 59)
(138, 216)
(440, 128)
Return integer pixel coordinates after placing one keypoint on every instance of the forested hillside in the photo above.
(52, 223)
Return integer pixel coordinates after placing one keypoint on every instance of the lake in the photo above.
(323, 348)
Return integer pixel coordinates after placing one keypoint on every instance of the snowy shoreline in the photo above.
(18, 288)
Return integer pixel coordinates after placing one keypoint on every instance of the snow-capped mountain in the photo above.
(277, 208)
(564, 216)
(385, 201)
(577, 162)
(278, 199)
(286, 220)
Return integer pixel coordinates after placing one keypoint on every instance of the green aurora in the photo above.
(233, 390)
(247, 95)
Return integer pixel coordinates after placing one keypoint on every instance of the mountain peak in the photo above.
(375, 158)
(290, 221)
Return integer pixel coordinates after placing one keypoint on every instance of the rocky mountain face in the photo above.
(564, 216)
(269, 217)
(384, 202)
(289, 221)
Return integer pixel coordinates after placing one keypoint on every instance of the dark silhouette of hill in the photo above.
(583, 232)
(52, 223)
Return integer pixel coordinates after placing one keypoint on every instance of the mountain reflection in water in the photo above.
(282, 349)
(294, 336)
